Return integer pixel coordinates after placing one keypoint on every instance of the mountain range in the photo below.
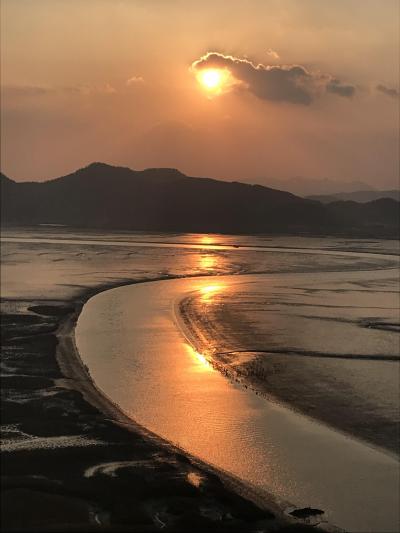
(356, 196)
(162, 199)
(306, 187)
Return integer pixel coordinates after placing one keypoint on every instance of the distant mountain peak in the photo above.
(105, 168)
(92, 171)
(169, 170)
(98, 165)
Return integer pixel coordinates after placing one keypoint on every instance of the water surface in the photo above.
(136, 354)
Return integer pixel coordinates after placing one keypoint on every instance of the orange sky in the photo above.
(110, 80)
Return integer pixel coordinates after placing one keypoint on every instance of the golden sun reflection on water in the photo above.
(207, 239)
(208, 262)
(200, 357)
(210, 288)
(208, 291)
(202, 365)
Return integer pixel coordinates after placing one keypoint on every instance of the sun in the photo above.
(211, 78)
(214, 80)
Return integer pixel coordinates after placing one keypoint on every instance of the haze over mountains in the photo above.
(356, 196)
(305, 187)
(159, 199)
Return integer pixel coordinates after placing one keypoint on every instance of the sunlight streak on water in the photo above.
(202, 365)
(208, 262)
(208, 291)
(207, 239)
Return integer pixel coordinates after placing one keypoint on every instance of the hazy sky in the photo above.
(314, 92)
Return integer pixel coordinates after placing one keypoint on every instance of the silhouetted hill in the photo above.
(357, 196)
(103, 196)
(384, 212)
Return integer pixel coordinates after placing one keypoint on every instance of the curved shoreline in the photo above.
(73, 368)
(141, 305)
(95, 396)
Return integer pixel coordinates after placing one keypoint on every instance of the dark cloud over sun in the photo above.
(280, 83)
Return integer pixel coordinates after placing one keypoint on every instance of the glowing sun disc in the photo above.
(211, 78)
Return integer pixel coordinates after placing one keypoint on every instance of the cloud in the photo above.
(134, 80)
(394, 93)
(30, 91)
(105, 88)
(273, 53)
(280, 83)
(336, 87)
(25, 90)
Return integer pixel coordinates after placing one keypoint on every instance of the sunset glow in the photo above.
(200, 219)
(214, 80)
(194, 94)
(211, 78)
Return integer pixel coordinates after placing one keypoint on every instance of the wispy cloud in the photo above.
(105, 88)
(25, 90)
(134, 80)
(28, 91)
(336, 87)
(388, 91)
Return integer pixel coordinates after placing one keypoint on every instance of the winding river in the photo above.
(130, 339)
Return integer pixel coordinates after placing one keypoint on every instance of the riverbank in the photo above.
(72, 461)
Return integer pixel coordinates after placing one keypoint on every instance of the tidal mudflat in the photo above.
(69, 456)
